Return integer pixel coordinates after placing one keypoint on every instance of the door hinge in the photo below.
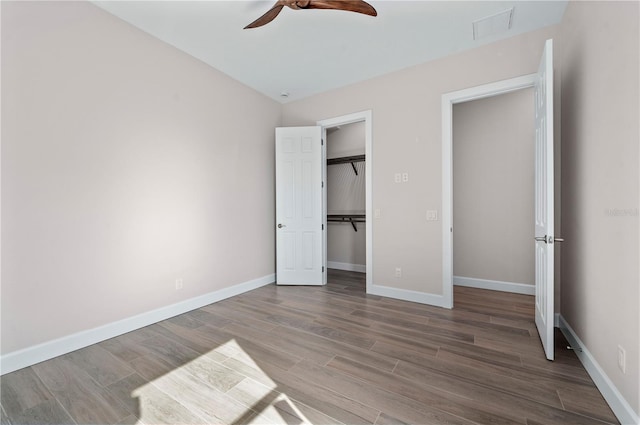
(322, 185)
(322, 142)
(322, 269)
(322, 226)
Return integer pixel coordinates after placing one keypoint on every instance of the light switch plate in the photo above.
(622, 359)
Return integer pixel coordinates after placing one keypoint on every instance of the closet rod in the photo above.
(348, 218)
(347, 160)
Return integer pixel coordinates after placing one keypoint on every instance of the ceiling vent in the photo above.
(494, 24)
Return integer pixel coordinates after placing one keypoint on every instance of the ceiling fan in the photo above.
(358, 6)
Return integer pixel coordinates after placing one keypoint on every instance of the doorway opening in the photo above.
(493, 193)
(345, 185)
(346, 215)
(347, 196)
(493, 208)
(448, 102)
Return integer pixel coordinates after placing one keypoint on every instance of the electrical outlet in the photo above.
(398, 272)
(397, 177)
(622, 359)
(432, 215)
(178, 284)
(376, 213)
(405, 177)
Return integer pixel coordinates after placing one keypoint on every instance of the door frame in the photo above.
(448, 100)
(363, 116)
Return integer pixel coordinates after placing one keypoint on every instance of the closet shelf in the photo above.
(347, 160)
(348, 218)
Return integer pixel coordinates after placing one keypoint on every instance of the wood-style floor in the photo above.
(325, 355)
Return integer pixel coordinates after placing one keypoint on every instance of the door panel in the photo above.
(544, 226)
(299, 216)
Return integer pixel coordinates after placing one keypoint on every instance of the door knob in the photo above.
(280, 225)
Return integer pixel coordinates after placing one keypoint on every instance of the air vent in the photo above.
(494, 24)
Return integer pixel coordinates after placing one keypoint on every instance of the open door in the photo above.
(299, 217)
(544, 239)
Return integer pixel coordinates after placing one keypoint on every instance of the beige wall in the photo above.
(346, 195)
(346, 140)
(406, 110)
(600, 134)
(126, 164)
(493, 182)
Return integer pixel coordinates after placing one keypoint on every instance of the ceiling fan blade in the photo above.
(267, 17)
(358, 6)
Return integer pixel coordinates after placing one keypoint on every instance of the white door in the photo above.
(299, 219)
(544, 238)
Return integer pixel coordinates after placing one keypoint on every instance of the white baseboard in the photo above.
(361, 268)
(408, 295)
(621, 408)
(495, 285)
(48, 350)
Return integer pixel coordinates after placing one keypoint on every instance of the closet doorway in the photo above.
(345, 183)
(347, 192)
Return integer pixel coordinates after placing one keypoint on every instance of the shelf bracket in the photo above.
(355, 170)
(355, 229)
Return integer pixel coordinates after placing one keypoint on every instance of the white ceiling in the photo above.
(306, 52)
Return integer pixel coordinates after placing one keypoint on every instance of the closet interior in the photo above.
(346, 162)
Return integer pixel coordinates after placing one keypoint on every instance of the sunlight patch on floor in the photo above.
(206, 390)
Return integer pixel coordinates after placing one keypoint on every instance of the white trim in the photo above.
(365, 116)
(495, 285)
(325, 228)
(407, 295)
(620, 406)
(448, 100)
(360, 268)
(48, 350)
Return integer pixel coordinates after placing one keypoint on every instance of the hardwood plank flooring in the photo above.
(22, 390)
(4, 419)
(320, 355)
